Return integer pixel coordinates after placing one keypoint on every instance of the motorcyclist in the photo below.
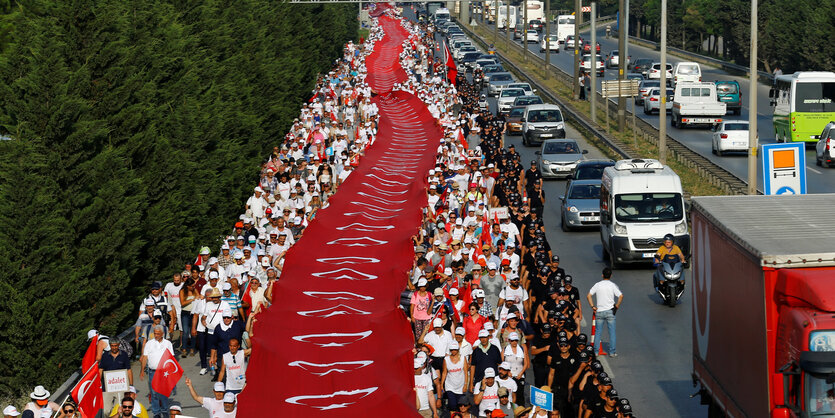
(668, 253)
(491, 50)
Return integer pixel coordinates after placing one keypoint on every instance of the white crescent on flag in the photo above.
(171, 360)
(345, 273)
(333, 311)
(83, 388)
(338, 295)
(358, 241)
(333, 339)
(322, 369)
(348, 260)
(338, 399)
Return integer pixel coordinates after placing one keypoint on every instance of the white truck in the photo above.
(536, 10)
(565, 27)
(697, 104)
(507, 21)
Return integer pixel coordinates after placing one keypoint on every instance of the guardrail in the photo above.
(704, 59)
(710, 171)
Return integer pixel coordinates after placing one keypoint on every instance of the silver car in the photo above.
(559, 157)
(498, 81)
(652, 101)
(580, 205)
(506, 98)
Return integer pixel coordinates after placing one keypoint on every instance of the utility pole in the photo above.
(507, 26)
(625, 22)
(495, 22)
(578, 18)
(622, 65)
(662, 109)
(525, 33)
(752, 106)
(548, 40)
(464, 12)
(593, 64)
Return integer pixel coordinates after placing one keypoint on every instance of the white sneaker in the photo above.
(203, 371)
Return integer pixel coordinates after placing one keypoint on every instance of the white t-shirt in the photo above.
(257, 205)
(155, 349)
(423, 385)
(213, 312)
(215, 408)
(607, 292)
(490, 400)
(518, 296)
(455, 375)
(508, 384)
(173, 292)
(439, 342)
(235, 370)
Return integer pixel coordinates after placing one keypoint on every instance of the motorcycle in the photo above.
(668, 280)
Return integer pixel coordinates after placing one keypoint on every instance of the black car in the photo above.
(640, 65)
(527, 100)
(590, 170)
(535, 24)
(468, 60)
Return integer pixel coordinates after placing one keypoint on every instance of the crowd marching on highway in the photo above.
(492, 310)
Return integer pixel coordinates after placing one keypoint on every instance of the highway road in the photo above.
(819, 180)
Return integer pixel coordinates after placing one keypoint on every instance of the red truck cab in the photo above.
(764, 305)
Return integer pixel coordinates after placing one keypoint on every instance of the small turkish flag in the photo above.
(90, 354)
(167, 375)
(87, 392)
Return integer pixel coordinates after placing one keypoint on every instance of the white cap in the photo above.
(454, 345)
(212, 260)
(483, 333)
(453, 291)
(229, 397)
(265, 262)
(511, 316)
(513, 337)
(90, 334)
(479, 293)
(448, 271)
(437, 322)
(226, 286)
(505, 365)
(259, 189)
(489, 372)
(149, 302)
(459, 222)
(460, 331)
(488, 326)
(491, 266)
(238, 255)
(421, 282)
(213, 275)
(11, 411)
(219, 387)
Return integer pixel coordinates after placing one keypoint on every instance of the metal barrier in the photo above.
(710, 171)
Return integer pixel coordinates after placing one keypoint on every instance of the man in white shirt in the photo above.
(505, 380)
(210, 316)
(439, 339)
(172, 292)
(609, 298)
(257, 204)
(234, 367)
(151, 356)
(222, 406)
(487, 392)
(424, 392)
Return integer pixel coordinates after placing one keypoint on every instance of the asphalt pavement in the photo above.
(819, 180)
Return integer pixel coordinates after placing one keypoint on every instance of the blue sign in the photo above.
(542, 399)
(784, 169)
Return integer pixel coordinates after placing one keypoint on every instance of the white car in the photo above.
(506, 98)
(532, 36)
(731, 135)
(654, 72)
(463, 50)
(585, 64)
(652, 101)
(613, 59)
(529, 91)
(825, 148)
(553, 43)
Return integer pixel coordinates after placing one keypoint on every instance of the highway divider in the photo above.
(711, 172)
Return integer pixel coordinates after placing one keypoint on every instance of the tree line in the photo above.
(135, 130)
(796, 35)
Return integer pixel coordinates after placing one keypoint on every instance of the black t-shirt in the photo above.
(574, 296)
(532, 176)
(540, 359)
(564, 368)
(601, 412)
(556, 276)
(539, 290)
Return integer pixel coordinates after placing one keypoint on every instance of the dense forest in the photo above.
(134, 131)
(794, 34)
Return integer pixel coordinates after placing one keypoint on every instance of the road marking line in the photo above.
(606, 366)
(813, 170)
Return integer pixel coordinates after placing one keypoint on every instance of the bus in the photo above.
(565, 27)
(804, 102)
(505, 21)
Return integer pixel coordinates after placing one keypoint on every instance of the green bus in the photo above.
(804, 102)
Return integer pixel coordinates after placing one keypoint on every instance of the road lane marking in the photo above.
(814, 170)
(605, 362)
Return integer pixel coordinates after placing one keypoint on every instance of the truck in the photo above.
(641, 201)
(697, 104)
(763, 303)
(565, 27)
(504, 20)
(536, 10)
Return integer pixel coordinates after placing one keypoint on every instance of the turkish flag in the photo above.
(167, 375)
(451, 70)
(87, 392)
(90, 355)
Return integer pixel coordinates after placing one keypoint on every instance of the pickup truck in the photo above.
(697, 104)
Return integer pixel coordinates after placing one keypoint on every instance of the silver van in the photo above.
(541, 122)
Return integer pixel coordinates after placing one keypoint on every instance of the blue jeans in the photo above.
(608, 318)
(159, 402)
(188, 341)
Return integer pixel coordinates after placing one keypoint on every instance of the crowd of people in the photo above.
(492, 310)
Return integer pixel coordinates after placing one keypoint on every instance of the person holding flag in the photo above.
(88, 392)
(155, 355)
(451, 70)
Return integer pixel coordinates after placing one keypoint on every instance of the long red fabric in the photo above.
(335, 343)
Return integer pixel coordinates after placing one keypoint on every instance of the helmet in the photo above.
(669, 237)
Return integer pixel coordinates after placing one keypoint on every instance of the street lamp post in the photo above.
(662, 108)
(578, 17)
(548, 40)
(752, 106)
(593, 63)
(622, 35)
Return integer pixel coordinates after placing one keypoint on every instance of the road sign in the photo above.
(542, 398)
(587, 9)
(628, 88)
(784, 169)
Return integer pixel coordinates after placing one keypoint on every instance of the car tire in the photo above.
(563, 225)
(824, 164)
(719, 152)
(818, 161)
(647, 111)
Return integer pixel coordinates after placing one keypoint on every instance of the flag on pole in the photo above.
(90, 354)
(87, 392)
(167, 375)
(452, 71)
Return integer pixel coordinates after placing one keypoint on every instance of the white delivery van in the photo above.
(640, 202)
(687, 72)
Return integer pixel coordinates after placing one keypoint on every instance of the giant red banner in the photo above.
(335, 342)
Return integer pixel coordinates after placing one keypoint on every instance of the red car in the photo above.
(587, 47)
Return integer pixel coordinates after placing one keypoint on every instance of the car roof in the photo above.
(529, 96)
(596, 163)
(557, 140)
(544, 107)
(502, 72)
(584, 182)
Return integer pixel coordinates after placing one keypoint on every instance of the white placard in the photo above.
(116, 381)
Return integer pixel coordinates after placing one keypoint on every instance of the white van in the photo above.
(688, 72)
(640, 202)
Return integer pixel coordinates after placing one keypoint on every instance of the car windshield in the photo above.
(492, 68)
(520, 86)
(688, 69)
(512, 92)
(561, 148)
(589, 172)
(614, 53)
(585, 191)
(566, 21)
(649, 207)
(736, 126)
(500, 77)
(517, 112)
(815, 97)
(650, 84)
(551, 115)
(726, 88)
(524, 101)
